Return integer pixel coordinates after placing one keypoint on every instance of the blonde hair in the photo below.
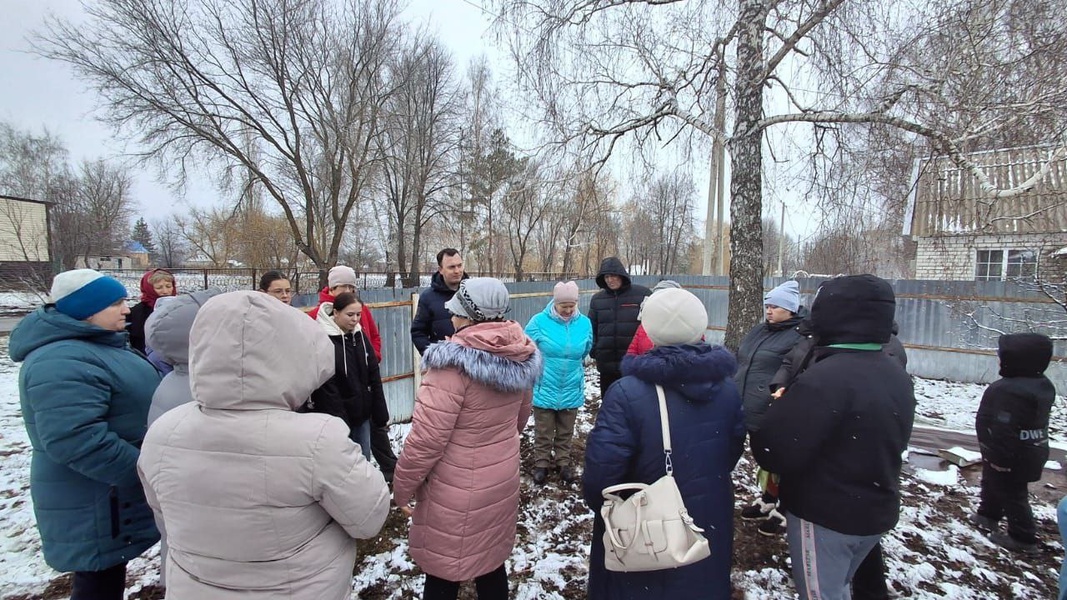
(158, 276)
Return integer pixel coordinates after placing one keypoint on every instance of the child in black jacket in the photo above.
(1012, 427)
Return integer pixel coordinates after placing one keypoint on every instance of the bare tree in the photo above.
(287, 90)
(658, 224)
(646, 70)
(106, 207)
(170, 245)
(418, 146)
(525, 205)
(36, 167)
(211, 235)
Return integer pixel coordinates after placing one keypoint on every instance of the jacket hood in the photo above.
(856, 309)
(612, 266)
(550, 310)
(1024, 354)
(148, 293)
(325, 320)
(437, 282)
(683, 365)
(325, 295)
(46, 325)
(247, 351)
(497, 354)
(167, 329)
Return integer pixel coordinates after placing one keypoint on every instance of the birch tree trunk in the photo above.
(746, 185)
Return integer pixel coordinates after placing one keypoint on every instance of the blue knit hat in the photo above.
(785, 296)
(82, 293)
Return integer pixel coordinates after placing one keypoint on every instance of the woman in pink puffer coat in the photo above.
(461, 460)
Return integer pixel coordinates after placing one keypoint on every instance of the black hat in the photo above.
(855, 309)
(1024, 354)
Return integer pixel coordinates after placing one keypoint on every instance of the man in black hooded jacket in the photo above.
(837, 434)
(614, 312)
(1012, 428)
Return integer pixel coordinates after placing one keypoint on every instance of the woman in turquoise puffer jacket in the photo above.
(564, 335)
(85, 396)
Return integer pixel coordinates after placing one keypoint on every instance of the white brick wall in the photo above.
(953, 257)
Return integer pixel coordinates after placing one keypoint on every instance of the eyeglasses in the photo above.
(280, 292)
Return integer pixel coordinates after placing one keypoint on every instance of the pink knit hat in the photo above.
(565, 292)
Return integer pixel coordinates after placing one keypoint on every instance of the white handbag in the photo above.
(651, 530)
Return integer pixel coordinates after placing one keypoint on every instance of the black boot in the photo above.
(540, 474)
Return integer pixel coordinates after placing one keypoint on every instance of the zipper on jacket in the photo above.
(113, 499)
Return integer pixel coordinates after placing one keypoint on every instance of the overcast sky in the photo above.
(44, 94)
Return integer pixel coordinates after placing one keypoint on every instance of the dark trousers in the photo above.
(109, 584)
(1005, 495)
(607, 377)
(869, 581)
(382, 448)
(491, 586)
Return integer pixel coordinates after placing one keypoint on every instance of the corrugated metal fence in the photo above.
(939, 325)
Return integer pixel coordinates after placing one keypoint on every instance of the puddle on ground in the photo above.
(927, 462)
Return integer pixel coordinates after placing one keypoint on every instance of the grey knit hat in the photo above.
(480, 299)
(786, 295)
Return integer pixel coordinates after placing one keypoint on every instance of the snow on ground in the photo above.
(18, 303)
(951, 405)
(932, 554)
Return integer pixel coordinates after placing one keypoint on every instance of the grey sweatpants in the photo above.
(824, 560)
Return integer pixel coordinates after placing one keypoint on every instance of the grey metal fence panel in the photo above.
(942, 341)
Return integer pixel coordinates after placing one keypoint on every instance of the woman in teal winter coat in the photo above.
(85, 396)
(564, 336)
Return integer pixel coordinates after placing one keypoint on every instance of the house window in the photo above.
(995, 265)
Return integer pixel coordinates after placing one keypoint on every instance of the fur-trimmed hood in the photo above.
(496, 354)
(693, 369)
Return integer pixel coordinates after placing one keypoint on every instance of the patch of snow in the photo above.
(947, 477)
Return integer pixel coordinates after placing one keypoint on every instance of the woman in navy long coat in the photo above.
(707, 437)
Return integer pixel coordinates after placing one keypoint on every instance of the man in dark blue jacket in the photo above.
(432, 323)
(837, 434)
(614, 312)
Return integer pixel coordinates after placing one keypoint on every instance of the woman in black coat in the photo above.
(759, 358)
(355, 391)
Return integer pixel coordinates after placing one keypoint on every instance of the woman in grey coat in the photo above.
(167, 334)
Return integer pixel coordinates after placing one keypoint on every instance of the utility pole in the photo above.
(710, 241)
(781, 241)
(719, 151)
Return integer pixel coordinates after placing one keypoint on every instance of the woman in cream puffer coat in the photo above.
(259, 502)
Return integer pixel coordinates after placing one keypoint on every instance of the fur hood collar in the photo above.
(495, 354)
(689, 363)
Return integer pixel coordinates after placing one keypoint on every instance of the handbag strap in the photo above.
(665, 425)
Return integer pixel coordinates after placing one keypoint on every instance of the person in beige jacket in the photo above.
(259, 502)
